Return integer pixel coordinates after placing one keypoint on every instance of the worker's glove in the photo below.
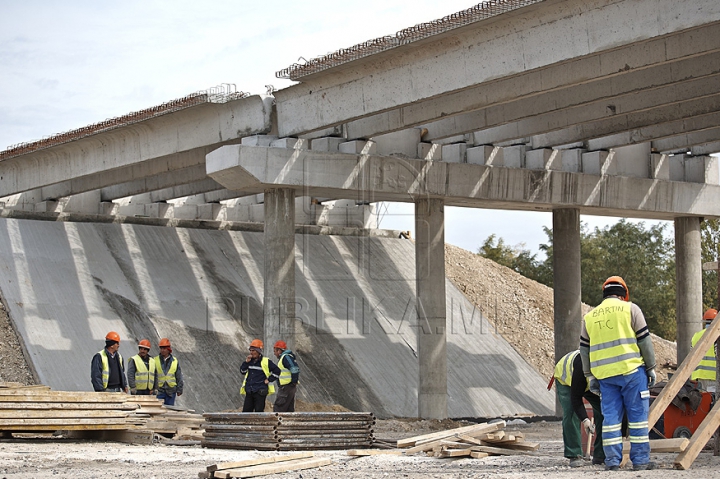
(594, 385)
(651, 377)
(589, 426)
(133, 391)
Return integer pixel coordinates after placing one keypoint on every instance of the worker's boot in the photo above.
(644, 467)
(577, 462)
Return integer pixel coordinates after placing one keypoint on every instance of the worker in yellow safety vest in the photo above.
(141, 371)
(170, 382)
(107, 371)
(259, 374)
(618, 359)
(705, 372)
(289, 378)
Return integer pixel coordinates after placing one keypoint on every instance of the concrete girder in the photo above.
(631, 121)
(530, 38)
(165, 186)
(709, 149)
(96, 159)
(699, 91)
(687, 140)
(645, 134)
(665, 79)
(375, 178)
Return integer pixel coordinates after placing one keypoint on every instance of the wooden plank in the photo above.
(657, 408)
(454, 444)
(58, 414)
(259, 461)
(373, 452)
(701, 436)
(662, 445)
(134, 436)
(498, 451)
(469, 430)
(478, 454)
(469, 439)
(62, 427)
(66, 406)
(264, 470)
(518, 446)
(455, 452)
(56, 396)
(59, 423)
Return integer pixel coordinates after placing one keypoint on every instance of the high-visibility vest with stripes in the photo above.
(613, 343)
(106, 366)
(285, 374)
(144, 375)
(266, 369)
(169, 377)
(706, 368)
(564, 368)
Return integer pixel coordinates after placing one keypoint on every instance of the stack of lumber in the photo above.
(477, 441)
(264, 466)
(40, 409)
(288, 431)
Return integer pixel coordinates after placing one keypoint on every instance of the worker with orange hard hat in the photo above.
(170, 382)
(705, 371)
(618, 360)
(141, 376)
(289, 377)
(259, 374)
(107, 372)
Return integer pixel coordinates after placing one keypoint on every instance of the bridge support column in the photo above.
(566, 283)
(688, 282)
(279, 295)
(430, 304)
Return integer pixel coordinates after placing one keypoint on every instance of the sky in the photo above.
(65, 65)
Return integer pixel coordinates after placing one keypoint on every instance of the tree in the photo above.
(516, 258)
(710, 241)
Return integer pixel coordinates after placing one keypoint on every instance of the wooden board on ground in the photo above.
(499, 451)
(373, 452)
(478, 454)
(259, 461)
(468, 430)
(662, 445)
(279, 468)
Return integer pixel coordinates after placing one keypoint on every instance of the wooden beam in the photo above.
(701, 436)
(657, 408)
(469, 430)
(259, 461)
(275, 468)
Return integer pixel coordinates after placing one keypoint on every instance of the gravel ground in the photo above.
(56, 457)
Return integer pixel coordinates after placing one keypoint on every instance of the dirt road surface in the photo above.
(56, 457)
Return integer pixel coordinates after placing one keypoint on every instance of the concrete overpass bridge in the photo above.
(579, 107)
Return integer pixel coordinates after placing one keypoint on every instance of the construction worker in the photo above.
(619, 361)
(107, 371)
(705, 372)
(289, 376)
(259, 373)
(141, 371)
(571, 387)
(169, 375)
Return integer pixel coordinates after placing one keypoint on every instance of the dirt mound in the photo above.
(521, 309)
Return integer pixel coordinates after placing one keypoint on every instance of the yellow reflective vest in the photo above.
(285, 374)
(106, 366)
(169, 377)
(266, 369)
(564, 368)
(144, 376)
(613, 342)
(706, 368)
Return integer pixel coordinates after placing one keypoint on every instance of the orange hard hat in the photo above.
(256, 343)
(144, 343)
(617, 281)
(280, 345)
(164, 342)
(112, 336)
(710, 314)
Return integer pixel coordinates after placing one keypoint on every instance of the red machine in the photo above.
(680, 420)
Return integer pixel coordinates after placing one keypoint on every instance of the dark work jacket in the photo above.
(578, 389)
(117, 372)
(256, 377)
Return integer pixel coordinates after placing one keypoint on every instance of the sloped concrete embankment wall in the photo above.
(67, 284)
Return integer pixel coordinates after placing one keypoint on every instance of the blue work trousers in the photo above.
(168, 399)
(625, 394)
